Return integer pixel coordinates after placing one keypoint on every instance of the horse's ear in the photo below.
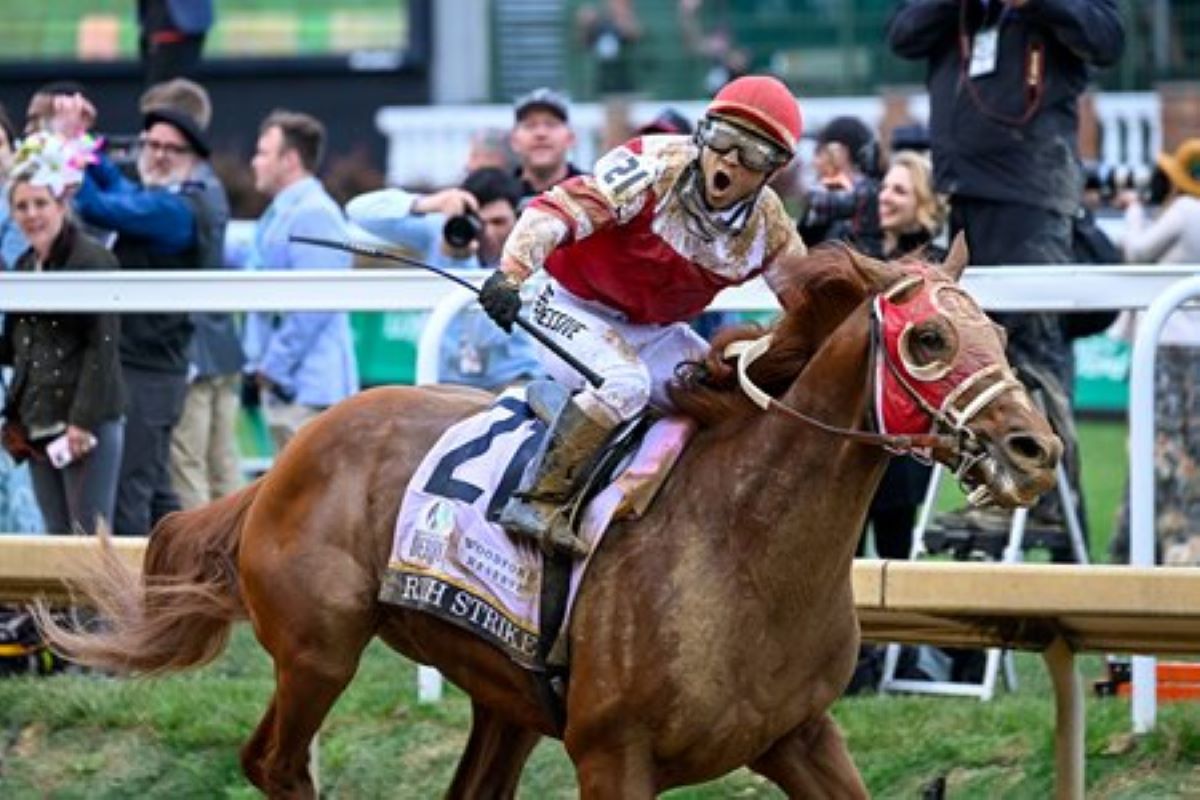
(878, 275)
(956, 260)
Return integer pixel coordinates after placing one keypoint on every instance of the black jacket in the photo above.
(160, 342)
(994, 138)
(65, 366)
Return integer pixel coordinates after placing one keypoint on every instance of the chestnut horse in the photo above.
(712, 633)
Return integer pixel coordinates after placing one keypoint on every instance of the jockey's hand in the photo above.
(500, 297)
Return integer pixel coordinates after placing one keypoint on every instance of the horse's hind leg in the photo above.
(254, 752)
(495, 755)
(813, 761)
(276, 757)
(316, 648)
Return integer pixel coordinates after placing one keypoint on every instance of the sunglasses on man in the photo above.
(753, 152)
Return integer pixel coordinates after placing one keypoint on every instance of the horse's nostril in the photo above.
(1039, 450)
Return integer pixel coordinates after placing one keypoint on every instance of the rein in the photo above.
(747, 352)
(960, 442)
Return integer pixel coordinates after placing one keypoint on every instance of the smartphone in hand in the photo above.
(59, 451)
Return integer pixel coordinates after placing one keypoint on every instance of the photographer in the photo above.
(1004, 81)
(845, 206)
(463, 227)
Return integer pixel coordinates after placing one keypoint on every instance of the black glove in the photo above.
(500, 297)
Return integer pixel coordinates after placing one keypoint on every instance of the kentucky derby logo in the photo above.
(433, 531)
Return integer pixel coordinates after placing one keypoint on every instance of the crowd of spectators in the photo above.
(148, 403)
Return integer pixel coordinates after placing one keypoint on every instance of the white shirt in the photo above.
(1172, 238)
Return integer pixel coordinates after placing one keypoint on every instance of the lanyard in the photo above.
(1033, 81)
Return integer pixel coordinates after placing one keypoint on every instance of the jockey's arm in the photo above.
(535, 236)
(577, 208)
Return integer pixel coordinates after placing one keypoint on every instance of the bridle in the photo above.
(948, 420)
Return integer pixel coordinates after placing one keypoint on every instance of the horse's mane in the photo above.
(819, 292)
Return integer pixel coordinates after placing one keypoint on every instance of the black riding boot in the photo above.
(535, 510)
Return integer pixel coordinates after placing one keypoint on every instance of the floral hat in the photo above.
(54, 161)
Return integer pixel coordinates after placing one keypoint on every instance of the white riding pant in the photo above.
(636, 361)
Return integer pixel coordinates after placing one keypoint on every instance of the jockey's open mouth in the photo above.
(721, 180)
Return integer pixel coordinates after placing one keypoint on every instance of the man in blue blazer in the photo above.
(302, 361)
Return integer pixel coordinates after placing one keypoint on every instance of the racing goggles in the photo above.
(754, 152)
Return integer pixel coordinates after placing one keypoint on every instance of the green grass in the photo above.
(178, 737)
(86, 737)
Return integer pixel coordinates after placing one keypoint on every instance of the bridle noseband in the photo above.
(951, 415)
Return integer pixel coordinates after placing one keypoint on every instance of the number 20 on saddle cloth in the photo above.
(448, 557)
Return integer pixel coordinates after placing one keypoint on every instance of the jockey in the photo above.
(633, 252)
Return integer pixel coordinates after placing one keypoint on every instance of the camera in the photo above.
(1152, 186)
(462, 229)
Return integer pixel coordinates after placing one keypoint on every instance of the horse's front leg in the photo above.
(614, 771)
(812, 760)
(495, 755)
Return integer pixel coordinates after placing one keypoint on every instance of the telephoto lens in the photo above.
(462, 229)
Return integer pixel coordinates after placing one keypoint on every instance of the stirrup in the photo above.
(544, 522)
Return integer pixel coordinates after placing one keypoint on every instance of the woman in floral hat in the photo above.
(62, 411)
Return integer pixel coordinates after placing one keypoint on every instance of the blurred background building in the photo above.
(344, 60)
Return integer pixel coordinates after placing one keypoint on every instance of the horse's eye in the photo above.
(928, 350)
(930, 339)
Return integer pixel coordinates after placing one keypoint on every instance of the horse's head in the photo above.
(939, 367)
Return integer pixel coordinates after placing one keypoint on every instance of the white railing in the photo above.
(1141, 471)
(427, 145)
(1012, 288)
(1023, 288)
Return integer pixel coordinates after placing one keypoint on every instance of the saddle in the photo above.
(451, 559)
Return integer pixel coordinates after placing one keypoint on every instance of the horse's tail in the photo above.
(179, 613)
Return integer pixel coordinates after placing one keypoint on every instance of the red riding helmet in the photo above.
(764, 102)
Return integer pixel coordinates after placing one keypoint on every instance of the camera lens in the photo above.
(459, 231)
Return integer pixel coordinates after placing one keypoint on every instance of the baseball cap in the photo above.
(543, 98)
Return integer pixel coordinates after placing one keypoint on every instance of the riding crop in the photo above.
(374, 252)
